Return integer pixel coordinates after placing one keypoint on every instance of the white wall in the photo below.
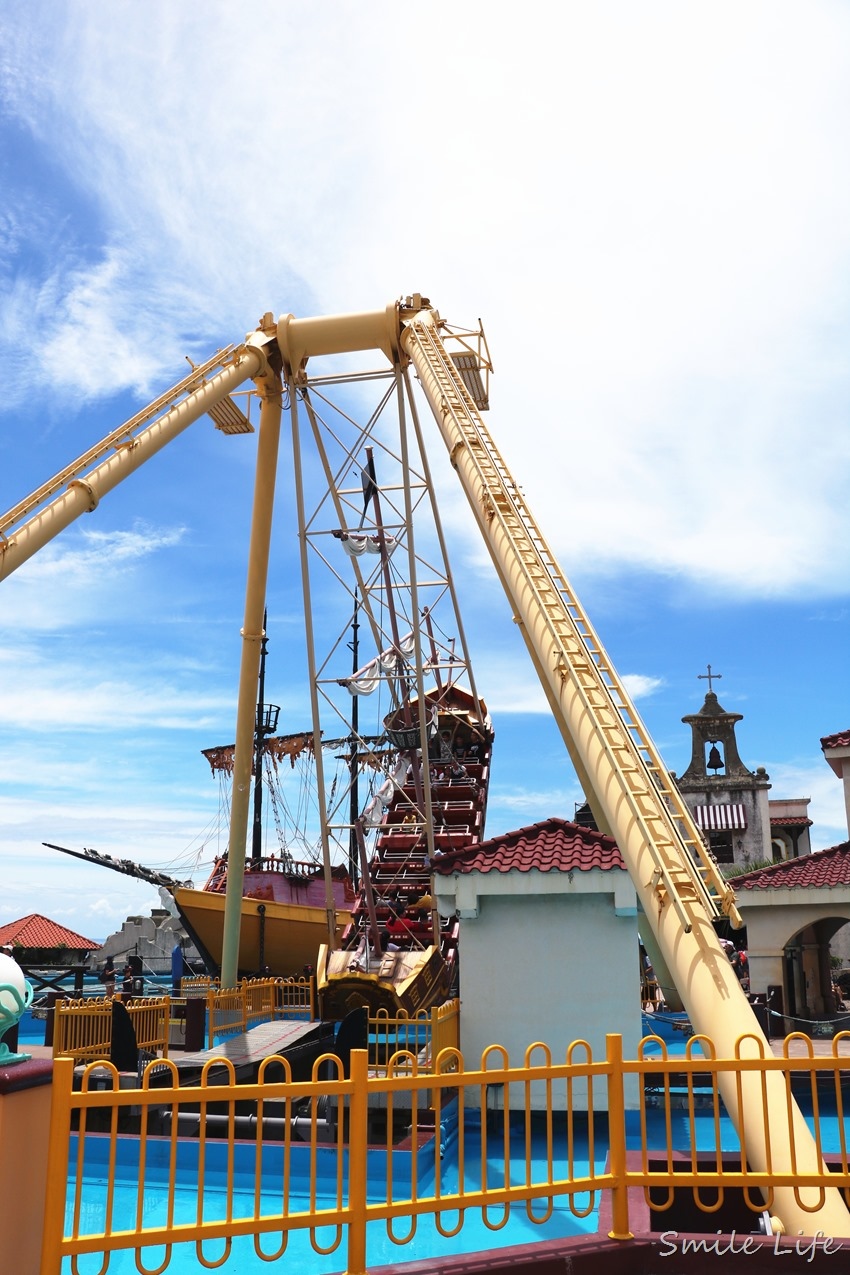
(549, 967)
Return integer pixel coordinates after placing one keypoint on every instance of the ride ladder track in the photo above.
(684, 870)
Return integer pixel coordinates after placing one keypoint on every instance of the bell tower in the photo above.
(728, 801)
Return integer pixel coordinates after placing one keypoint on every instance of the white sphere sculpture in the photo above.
(11, 975)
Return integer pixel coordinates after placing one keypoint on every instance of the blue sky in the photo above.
(649, 208)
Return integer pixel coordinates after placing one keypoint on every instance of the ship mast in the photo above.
(353, 739)
(267, 715)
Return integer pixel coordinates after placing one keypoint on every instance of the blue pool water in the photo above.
(511, 1227)
(30, 1030)
(502, 1228)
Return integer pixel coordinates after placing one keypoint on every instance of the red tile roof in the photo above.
(36, 930)
(821, 870)
(554, 845)
(841, 740)
(790, 821)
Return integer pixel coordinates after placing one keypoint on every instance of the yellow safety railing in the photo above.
(226, 1012)
(295, 998)
(301, 1147)
(257, 1000)
(260, 1000)
(82, 1029)
(421, 1036)
(151, 1017)
(445, 1029)
(198, 985)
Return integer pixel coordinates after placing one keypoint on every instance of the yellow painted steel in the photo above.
(302, 339)
(82, 1029)
(198, 985)
(151, 1016)
(58, 1155)
(358, 1163)
(227, 1013)
(678, 884)
(295, 997)
(85, 490)
(626, 783)
(617, 1149)
(445, 1031)
(270, 389)
(494, 1184)
(419, 1037)
(257, 1000)
(122, 437)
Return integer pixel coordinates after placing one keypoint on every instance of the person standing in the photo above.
(107, 977)
(178, 968)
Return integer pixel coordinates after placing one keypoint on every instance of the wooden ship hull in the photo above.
(403, 982)
(283, 937)
(284, 919)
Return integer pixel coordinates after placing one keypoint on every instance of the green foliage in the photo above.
(730, 870)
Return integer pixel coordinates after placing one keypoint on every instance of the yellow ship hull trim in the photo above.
(290, 934)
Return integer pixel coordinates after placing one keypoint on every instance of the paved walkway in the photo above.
(248, 1049)
(243, 1050)
(820, 1047)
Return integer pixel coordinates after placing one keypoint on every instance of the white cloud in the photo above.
(71, 696)
(640, 686)
(654, 223)
(513, 807)
(516, 687)
(88, 320)
(94, 912)
(62, 584)
(651, 213)
(75, 670)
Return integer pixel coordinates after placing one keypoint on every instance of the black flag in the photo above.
(368, 482)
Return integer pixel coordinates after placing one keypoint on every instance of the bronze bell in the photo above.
(715, 761)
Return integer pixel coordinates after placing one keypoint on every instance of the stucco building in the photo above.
(836, 751)
(550, 946)
(728, 800)
(793, 911)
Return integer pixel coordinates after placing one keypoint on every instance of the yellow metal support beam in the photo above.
(270, 389)
(629, 789)
(85, 490)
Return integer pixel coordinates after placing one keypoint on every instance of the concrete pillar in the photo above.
(810, 960)
(25, 1093)
(766, 968)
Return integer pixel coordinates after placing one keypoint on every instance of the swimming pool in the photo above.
(508, 1226)
(504, 1226)
(30, 1030)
